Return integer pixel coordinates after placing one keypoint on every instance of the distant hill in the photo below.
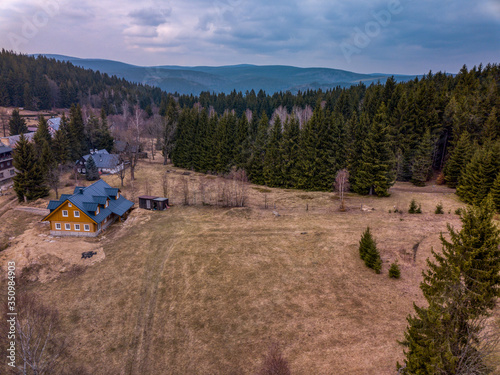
(193, 80)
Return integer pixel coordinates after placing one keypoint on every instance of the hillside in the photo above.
(193, 80)
(204, 290)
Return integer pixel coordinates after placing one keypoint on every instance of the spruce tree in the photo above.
(495, 193)
(60, 146)
(273, 157)
(375, 174)
(77, 139)
(42, 136)
(461, 286)
(290, 152)
(422, 161)
(29, 181)
(256, 162)
(368, 251)
(459, 157)
(17, 124)
(91, 171)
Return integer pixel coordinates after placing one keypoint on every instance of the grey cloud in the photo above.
(150, 16)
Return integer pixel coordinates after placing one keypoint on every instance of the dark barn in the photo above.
(149, 202)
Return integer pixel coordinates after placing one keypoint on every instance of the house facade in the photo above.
(6, 163)
(106, 163)
(88, 211)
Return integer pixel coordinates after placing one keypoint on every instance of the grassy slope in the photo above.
(203, 290)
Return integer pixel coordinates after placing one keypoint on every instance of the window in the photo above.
(76, 213)
(77, 227)
(69, 205)
(12, 172)
(86, 227)
(58, 226)
(65, 213)
(1, 175)
(67, 226)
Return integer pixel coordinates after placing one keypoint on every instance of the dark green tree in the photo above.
(461, 286)
(422, 160)
(77, 139)
(256, 162)
(368, 251)
(91, 171)
(495, 193)
(42, 136)
(17, 125)
(29, 181)
(459, 157)
(273, 157)
(375, 174)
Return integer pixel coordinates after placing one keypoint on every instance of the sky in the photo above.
(365, 36)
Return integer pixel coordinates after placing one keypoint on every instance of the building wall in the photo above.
(7, 170)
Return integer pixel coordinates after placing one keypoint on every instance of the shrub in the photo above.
(458, 211)
(414, 207)
(394, 271)
(274, 363)
(439, 209)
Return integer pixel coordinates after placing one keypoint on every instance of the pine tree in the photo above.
(290, 152)
(495, 192)
(459, 157)
(461, 287)
(91, 171)
(29, 181)
(422, 161)
(77, 139)
(60, 146)
(42, 135)
(368, 251)
(273, 157)
(394, 271)
(375, 174)
(17, 125)
(256, 162)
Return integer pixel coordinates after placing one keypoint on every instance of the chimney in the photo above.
(91, 152)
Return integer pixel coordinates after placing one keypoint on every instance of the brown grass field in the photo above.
(204, 290)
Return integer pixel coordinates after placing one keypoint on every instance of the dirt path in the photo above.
(33, 210)
(138, 354)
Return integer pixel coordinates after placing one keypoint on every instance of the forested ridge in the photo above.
(439, 124)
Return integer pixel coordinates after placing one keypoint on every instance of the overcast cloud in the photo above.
(367, 36)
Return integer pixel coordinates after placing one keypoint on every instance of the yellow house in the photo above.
(88, 211)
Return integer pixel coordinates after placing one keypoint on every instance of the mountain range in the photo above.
(193, 80)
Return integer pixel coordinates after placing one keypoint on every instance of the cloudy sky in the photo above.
(366, 36)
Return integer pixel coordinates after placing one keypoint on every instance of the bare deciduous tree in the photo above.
(342, 186)
(40, 345)
(53, 177)
(121, 172)
(185, 189)
(165, 184)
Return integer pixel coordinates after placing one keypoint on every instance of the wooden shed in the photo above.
(149, 202)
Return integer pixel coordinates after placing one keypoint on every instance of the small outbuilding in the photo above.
(149, 202)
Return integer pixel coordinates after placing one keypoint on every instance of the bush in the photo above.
(458, 211)
(394, 271)
(274, 363)
(439, 209)
(414, 207)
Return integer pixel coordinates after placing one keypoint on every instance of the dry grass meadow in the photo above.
(200, 289)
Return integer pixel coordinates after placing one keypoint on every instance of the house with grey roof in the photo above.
(53, 123)
(12, 140)
(106, 163)
(88, 211)
(7, 170)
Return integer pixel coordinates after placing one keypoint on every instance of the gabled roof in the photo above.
(54, 123)
(87, 199)
(104, 160)
(4, 149)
